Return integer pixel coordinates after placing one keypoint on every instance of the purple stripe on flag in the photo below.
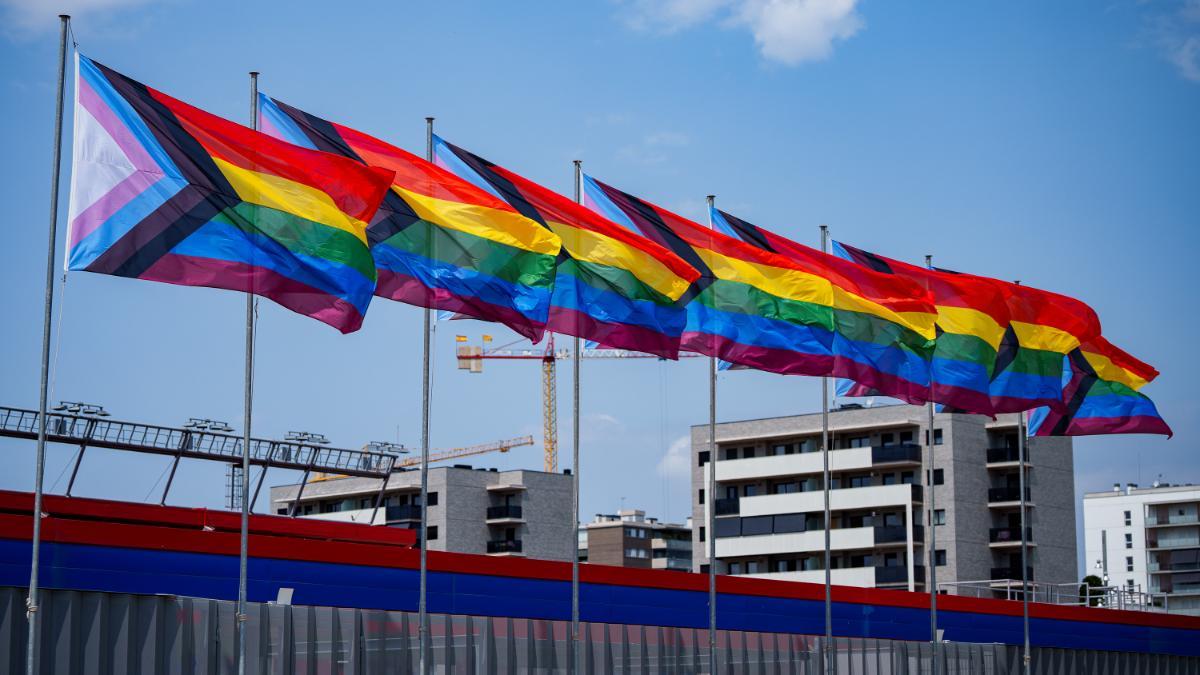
(409, 290)
(612, 335)
(237, 276)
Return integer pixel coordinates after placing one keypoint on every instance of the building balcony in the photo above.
(1165, 543)
(1002, 497)
(1153, 520)
(898, 574)
(840, 499)
(897, 534)
(1011, 574)
(840, 539)
(1009, 536)
(403, 512)
(1000, 457)
(504, 546)
(905, 453)
(726, 507)
(862, 577)
(504, 513)
(1166, 568)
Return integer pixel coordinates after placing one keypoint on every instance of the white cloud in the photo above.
(786, 31)
(1176, 35)
(30, 18)
(677, 461)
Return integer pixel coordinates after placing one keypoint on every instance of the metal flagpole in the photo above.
(712, 496)
(931, 481)
(576, 652)
(830, 663)
(1025, 657)
(423, 591)
(248, 394)
(31, 601)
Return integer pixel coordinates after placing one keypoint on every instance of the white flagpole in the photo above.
(576, 652)
(830, 662)
(712, 495)
(31, 601)
(423, 591)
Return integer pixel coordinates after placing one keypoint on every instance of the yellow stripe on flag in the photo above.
(291, 197)
(964, 321)
(1107, 370)
(593, 247)
(505, 227)
(1045, 338)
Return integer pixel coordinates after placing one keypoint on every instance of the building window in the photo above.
(432, 499)
(939, 516)
(1128, 540)
(749, 490)
(1129, 584)
(431, 532)
(701, 495)
(704, 455)
(907, 477)
(887, 439)
(727, 527)
(701, 533)
(906, 437)
(730, 453)
(636, 553)
(753, 567)
(747, 453)
(1128, 563)
(635, 533)
(939, 476)
(1128, 518)
(735, 568)
(860, 442)
(937, 437)
(889, 479)
(939, 557)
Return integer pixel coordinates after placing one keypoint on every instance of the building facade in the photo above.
(1147, 540)
(630, 539)
(769, 503)
(519, 513)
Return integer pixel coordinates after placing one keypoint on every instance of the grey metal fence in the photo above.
(110, 633)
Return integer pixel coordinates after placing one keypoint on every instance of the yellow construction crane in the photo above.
(471, 357)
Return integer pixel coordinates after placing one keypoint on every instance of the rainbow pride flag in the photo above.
(612, 286)
(164, 191)
(775, 313)
(972, 327)
(1102, 396)
(1044, 328)
(439, 241)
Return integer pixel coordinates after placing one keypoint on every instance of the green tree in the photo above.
(1086, 594)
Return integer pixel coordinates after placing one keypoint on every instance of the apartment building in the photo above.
(470, 510)
(1147, 540)
(769, 503)
(630, 539)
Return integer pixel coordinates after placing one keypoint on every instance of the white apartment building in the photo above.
(1147, 540)
(769, 503)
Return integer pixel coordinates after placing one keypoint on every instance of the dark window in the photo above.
(906, 477)
(1129, 563)
(889, 479)
(756, 525)
(282, 512)
(813, 521)
(730, 453)
(789, 522)
(431, 532)
(939, 517)
(1128, 518)
(784, 488)
(702, 535)
(860, 442)
(784, 566)
(887, 439)
(749, 490)
(727, 527)
(937, 437)
(701, 495)
(1128, 540)
(735, 568)
(939, 476)
(747, 453)
(939, 558)
(704, 455)
(432, 499)
(906, 437)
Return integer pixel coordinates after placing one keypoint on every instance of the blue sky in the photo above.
(1055, 143)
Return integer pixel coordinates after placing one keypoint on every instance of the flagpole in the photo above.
(248, 400)
(31, 601)
(1025, 656)
(423, 591)
(575, 359)
(830, 663)
(712, 495)
(933, 590)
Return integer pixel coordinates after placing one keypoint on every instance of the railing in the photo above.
(1006, 494)
(897, 574)
(726, 507)
(193, 443)
(889, 534)
(1005, 535)
(892, 454)
(1186, 519)
(503, 511)
(1174, 542)
(403, 512)
(1155, 566)
(504, 546)
(998, 455)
